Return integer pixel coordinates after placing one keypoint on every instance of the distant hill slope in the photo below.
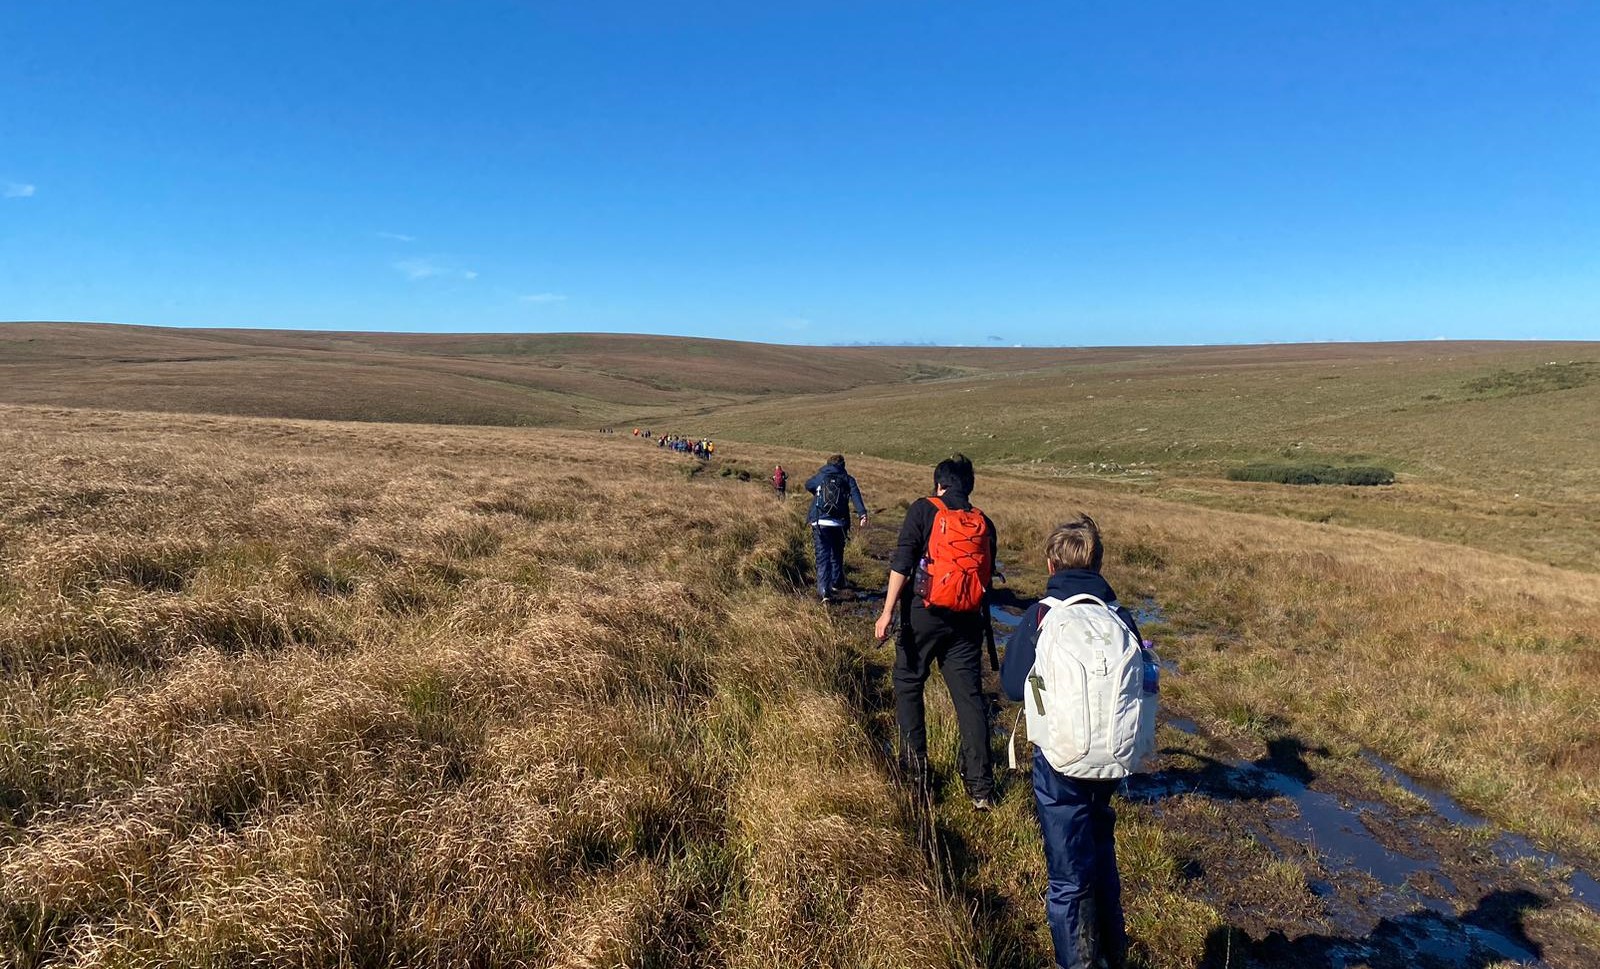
(556, 379)
(1497, 444)
(1494, 441)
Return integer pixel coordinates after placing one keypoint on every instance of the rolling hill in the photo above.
(1494, 441)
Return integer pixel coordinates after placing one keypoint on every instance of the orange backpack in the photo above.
(960, 561)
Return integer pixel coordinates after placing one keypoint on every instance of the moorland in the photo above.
(310, 692)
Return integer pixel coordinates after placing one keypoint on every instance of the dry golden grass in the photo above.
(1477, 671)
(291, 694)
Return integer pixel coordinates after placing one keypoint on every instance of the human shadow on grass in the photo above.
(1491, 933)
(1257, 780)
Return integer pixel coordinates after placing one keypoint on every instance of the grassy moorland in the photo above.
(1474, 671)
(297, 694)
(1493, 442)
(316, 693)
(555, 380)
(308, 693)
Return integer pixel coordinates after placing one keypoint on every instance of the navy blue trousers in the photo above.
(1084, 900)
(829, 543)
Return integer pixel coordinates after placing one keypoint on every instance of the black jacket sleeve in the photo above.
(913, 538)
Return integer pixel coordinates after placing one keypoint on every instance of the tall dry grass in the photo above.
(1475, 671)
(293, 694)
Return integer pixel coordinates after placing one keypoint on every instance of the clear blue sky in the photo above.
(808, 171)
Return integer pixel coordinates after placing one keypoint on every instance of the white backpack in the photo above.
(1087, 708)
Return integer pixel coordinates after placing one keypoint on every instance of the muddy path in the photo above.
(1309, 858)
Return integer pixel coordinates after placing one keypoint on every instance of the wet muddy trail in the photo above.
(1310, 859)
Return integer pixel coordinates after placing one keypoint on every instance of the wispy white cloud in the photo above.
(18, 190)
(396, 236)
(544, 298)
(432, 269)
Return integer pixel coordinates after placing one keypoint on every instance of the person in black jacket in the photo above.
(932, 634)
(1084, 901)
(829, 517)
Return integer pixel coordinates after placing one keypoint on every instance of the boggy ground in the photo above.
(1244, 848)
(308, 694)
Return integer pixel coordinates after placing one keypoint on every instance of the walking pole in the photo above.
(988, 634)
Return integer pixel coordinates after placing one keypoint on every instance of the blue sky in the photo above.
(1032, 172)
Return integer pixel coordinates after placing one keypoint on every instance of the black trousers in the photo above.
(955, 642)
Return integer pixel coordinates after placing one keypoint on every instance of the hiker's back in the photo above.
(1087, 708)
(833, 496)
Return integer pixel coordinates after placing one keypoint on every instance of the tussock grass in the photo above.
(1472, 670)
(328, 695)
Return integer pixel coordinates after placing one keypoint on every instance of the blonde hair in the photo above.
(1075, 544)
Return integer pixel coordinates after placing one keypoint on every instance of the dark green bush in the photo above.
(1310, 474)
(1534, 380)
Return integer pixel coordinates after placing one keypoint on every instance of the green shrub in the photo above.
(1534, 380)
(1309, 474)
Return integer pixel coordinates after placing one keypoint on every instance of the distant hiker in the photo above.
(829, 519)
(780, 481)
(1076, 653)
(949, 546)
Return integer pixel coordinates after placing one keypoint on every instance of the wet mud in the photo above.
(1312, 865)
(1312, 860)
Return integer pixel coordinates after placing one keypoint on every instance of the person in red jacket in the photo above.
(780, 481)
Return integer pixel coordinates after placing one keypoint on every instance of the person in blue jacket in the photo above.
(829, 517)
(1084, 901)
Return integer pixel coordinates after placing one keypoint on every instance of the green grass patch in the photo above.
(1534, 380)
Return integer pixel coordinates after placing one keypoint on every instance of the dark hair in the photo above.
(955, 473)
(837, 459)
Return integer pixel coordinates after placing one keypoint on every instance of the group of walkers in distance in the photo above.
(703, 448)
(1087, 681)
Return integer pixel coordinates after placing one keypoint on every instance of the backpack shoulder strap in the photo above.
(1045, 605)
(1112, 607)
(937, 503)
(1086, 597)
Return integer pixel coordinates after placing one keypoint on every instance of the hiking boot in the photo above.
(827, 599)
(982, 805)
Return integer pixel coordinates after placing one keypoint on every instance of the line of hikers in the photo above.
(1076, 660)
(699, 447)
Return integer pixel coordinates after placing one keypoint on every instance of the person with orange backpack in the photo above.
(949, 548)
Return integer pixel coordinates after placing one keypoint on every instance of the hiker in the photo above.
(1084, 901)
(950, 547)
(829, 519)
(780, 482)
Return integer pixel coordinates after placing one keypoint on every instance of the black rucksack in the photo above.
(833, 497)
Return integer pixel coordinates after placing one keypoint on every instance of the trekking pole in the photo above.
(988, 634)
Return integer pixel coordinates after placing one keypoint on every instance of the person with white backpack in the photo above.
(1088, 688)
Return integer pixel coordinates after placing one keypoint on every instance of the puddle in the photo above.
(1335, 828)
(1459, 944)
(1182, 724)
(1004, 620)
(1507, 847)
(1442, 804)
(1147, 612)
